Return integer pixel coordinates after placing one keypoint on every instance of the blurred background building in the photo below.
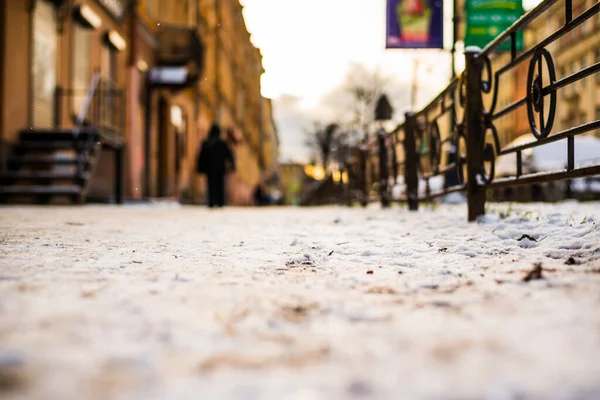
(164, 71)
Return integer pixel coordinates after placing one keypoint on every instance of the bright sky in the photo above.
(307, 46)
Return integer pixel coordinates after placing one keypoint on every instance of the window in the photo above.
(586, 27)
(562, 74)
(81, 62)
(115, 7)
(578, 31)
(598, 61)
(108, 72)
(574, 69)
(240, 104)
(108, 63)
(598, 119)
(583, 65)
(43, 73)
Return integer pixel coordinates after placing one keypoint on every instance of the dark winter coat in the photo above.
(215, 156)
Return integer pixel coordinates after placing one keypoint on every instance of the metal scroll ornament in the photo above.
(435, 146)
(490, 150)
(536, 94)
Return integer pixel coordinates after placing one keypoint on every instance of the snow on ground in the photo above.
(168, 302)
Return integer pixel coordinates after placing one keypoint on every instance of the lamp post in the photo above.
(455, 21)
(415, 84)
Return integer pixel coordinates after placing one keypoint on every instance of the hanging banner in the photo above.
(486, 19)
(414, 24)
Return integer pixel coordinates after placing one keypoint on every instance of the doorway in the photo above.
(164, 130)
(43, 64)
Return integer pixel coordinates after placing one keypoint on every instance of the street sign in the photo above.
(486, 19)
(414, 24)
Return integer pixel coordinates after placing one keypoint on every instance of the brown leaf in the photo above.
(297, 313)
(534, 274)
(237, 361)
(572, 261)
(380, 290)
(593, 271)
(526, 237)
(370, 272)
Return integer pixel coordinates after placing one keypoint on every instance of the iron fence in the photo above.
(462, 121)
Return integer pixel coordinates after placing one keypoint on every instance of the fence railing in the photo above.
(464, 117)
(105, 110)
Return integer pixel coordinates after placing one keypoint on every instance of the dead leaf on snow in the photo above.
(535, 273)
(27, 288)
(89, 293)
(528, 237)
(573, 261)
(448, 351)
(381, 290)
(298, 359)
(593, 271)
(297, 313)
(231, 318)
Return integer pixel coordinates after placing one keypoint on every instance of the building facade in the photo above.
(171, 67)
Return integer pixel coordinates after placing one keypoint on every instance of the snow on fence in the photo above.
(452, 144)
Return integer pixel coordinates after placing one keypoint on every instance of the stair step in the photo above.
(50, 190)
(42, 175)
(62, 159)
(59, 135)
(53, 145)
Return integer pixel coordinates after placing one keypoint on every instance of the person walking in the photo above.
(215, 160)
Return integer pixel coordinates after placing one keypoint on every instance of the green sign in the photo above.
(486, 19)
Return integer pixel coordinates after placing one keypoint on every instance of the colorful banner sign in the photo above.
(414, 24)
(486, 19)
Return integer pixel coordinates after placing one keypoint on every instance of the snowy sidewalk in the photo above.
(169, 302)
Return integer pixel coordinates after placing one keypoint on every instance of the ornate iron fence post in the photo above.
(362, 167)
(411, 177)
(119, 168)
(474, 124)
(383, 168)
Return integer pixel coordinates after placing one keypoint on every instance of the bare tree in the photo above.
(321, 140)
(352, 106)
(355, 98)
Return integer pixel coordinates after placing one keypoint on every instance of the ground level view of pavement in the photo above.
(171, 302)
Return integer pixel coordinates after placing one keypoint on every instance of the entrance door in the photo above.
(180, 155)
(164, 128)
(43, 71)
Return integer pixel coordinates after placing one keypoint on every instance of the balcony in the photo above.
(180, 57)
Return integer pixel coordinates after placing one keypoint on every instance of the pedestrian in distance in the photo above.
(215, 160)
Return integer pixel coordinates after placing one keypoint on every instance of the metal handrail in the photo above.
(86, 105)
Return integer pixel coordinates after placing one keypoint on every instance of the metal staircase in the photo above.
(58, 165)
